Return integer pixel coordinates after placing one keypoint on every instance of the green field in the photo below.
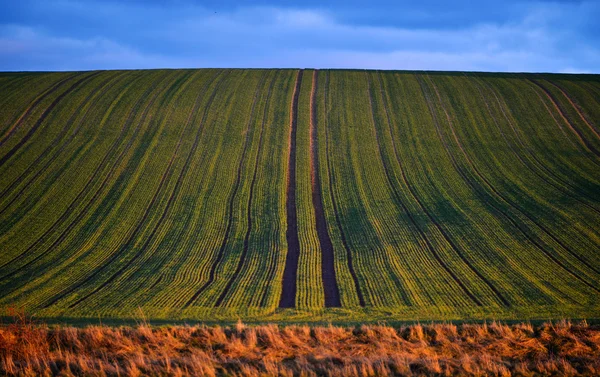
(300, 195)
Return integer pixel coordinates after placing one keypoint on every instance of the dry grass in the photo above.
(495, 349)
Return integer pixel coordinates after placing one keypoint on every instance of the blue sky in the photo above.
(515, 36)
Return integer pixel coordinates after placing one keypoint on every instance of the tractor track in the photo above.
(330, 287)
(290, 272)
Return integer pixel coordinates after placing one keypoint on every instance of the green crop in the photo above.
(409, 195)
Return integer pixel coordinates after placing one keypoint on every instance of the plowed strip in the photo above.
(42, 117)
(431, 248)
(361, 299)
(236, 185)
(331, 290)
(249, 204)
(288, 291)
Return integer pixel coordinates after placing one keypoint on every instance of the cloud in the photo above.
(22, 45)
(541, 38)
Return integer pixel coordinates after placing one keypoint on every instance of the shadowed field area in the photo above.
(495, 349)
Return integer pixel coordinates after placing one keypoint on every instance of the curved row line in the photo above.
(532, 155)
(577, 132)
(526, 234)
(59, 141)
(431, 248)
(89, 183)
(76, 201)
(575, 107)
(529, 166)
(32, 105)
(495, 191)
(226, 236)
(166, 209)
(41, 119)
(336, 209)
(113, 169)
(242, 260)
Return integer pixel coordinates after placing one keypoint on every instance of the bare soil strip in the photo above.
(221, 251)
(578, 133)
(361, 299)
(43, 117)
(500, 196)
(242, 260)
(76, 201)
(60, 140)
(168, 171)
(431, 248)
(330, 287)
(456, 166)
(288, 292)
(31, 106)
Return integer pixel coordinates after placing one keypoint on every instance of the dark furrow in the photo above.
(523, 232)
(105, 181)
(43, 117)
(499, 195)
(168, 206)
(31, 106)
(155, 283)
(75, 202)
(413, 193)
(528, 165)
(330, 287)
(236, 185)
(290, 272)
(457, 168)
(242, 260)
(577, 132)
(361, 299)
(532, 155)
(58, 140)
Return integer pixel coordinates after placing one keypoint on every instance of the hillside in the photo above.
(300, 194)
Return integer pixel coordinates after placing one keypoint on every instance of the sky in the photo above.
(463, 35)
